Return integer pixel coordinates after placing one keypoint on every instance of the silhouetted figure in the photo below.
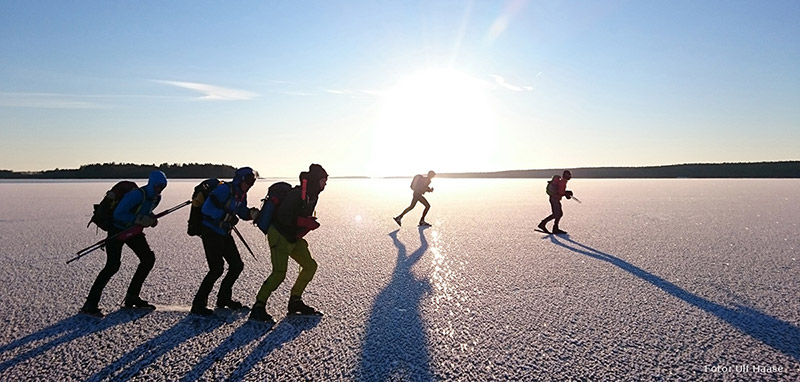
(135, 207)
(420, 185)
(556, 188)
(223, 208)
(293, 219)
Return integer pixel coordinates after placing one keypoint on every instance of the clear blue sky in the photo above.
(398, 87)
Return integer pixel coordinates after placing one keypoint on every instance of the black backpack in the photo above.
(275, 195)
(201, 192)
(103, 215)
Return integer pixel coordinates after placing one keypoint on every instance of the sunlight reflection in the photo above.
(448, 299)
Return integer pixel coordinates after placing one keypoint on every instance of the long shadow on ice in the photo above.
(286, 330)
(394, 345)
(780, 335)
(64, 331)
(129, 365)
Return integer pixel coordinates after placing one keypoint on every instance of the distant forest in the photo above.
(127, 171)
(789, 169)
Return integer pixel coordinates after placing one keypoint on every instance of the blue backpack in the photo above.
(275, 195)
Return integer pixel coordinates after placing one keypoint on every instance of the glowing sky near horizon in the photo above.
(398, 88)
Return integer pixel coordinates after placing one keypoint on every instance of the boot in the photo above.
(138, 303)
(259, 313)
(91, 311)
(202, 311)
(235, 305)
(298, 307)
(543, 226)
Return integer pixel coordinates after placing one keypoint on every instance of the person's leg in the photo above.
(113, 262)
(557, 213)
(235, 267)
(554, 206)
(425, 211)
(413, 204)
(279, 249)
(308, 267)
(147, 258)
(213, 245)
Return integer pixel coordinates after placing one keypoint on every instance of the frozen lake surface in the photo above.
(658, 280)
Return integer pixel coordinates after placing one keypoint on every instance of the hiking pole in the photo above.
(244, 242)
(125, 234)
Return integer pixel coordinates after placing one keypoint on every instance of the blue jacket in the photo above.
(141, 201)
(221, 203)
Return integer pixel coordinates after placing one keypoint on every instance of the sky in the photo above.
(385, 88)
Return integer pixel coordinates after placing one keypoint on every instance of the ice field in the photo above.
(673, 279)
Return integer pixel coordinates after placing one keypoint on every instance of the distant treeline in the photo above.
(128, 171)
(789, 169)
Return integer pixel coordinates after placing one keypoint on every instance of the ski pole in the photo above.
(244, 242)
(125, 234)
(576, 199)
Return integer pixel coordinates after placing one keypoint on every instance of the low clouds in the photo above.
(211, 92)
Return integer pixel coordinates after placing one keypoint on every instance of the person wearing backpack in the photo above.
(556, 189)
(135, 208)
(293, 219)
(420, 185)
(225, 205)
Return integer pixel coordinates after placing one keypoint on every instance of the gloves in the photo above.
(431, 189)
(306, 225)
(146, 221)
(228, 222)
(568, 194)
(254, 213)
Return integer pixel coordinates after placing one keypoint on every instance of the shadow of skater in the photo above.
(395, 343)
(65, 331)
(129, 365)
(287, 329)
(776, 333)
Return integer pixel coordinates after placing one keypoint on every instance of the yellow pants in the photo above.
(280, 251)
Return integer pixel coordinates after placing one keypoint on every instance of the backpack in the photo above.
(103, 214)
(275, 195)
(416, 181)
(201, 192)
(547, 189)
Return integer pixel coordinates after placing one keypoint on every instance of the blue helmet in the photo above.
(245, 174)
(157, 178)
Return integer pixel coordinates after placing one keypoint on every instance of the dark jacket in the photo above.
(294, 216)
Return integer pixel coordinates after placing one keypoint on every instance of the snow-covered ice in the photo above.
(674, 279)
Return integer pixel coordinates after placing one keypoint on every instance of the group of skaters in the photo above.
(223, 208)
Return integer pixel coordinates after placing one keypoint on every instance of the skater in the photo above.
(419, 185)
(135, 207)
(223, 208)
(293, 219)
(556, 188)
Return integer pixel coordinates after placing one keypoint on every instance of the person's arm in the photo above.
(214, 206)
(125, 212)
(245, 213)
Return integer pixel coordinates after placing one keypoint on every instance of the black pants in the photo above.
(417, 197)
(146, 257)
(219, 248)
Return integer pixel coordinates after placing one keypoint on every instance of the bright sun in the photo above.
(437, 119)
